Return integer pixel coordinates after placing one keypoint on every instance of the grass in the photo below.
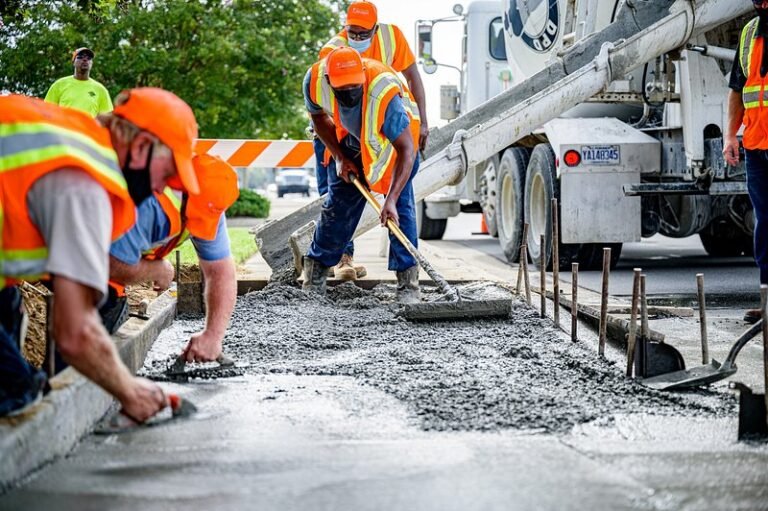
(242, 244)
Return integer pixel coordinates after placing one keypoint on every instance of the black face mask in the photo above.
(139, 182)
(349, 97)
(763, 15)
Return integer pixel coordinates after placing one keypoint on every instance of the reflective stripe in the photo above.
(378, 144)
(336, 42)
(748, 36)
(323, 90)
(27, 264)
(174, 197)
(27, 144)
(386, 36)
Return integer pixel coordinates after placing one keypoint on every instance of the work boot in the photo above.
(360, 270)
(752, 316)
(315, 275)
(408, 285)
(345, 269)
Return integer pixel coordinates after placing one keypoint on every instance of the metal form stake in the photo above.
(764, 311)
(178, 284)
(604, 302)
(632, 340)
(523, 257)
(524, 264)
(703, 319)
(556, 262)
(644, 329)
(50, 347)
(543, 276)
(574, 302)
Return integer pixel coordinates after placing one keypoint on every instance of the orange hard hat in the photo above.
(344, 67)
(218, 185)
(362, 14)
(170, 119)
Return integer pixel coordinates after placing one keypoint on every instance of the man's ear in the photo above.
(139, 149)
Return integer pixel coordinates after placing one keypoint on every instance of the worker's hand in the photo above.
(143, 399)
(345, 167)
(731, 150)
(162, 275)
(423, 135)
(389, 211)
(202, 347)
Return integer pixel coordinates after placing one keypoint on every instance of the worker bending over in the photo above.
(68, 188)
(368, 120)
(384, 43)
(164, 222)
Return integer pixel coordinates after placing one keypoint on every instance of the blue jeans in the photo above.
(19, 381)
(757, 185)
(321, 173)
(342, 210)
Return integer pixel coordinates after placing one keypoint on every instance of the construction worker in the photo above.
(369, 122)
(167, 220)
(69, 187)
(80, 91)
(385, 43)
(745, 106)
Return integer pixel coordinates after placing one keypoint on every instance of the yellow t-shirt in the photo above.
(88, 96)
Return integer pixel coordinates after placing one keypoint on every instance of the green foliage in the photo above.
(250, 204)
(241, 243)
(239, 64)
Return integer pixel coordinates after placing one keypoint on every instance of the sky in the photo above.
(446, 42)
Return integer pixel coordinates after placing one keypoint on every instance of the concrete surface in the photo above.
(51, 428)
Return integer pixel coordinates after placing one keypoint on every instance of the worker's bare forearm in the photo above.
(326, 131)
(220, 294)
(403, 164)
(735, 114)
(413, 78)
(82, 340)
(126, 274)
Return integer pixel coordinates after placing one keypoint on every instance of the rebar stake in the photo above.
(574, 302)
(556, 262)
(703, 319)
(632, 339)
(526, 278)
(543, 275)
(178, 284)
(523, 255)
(604, 302)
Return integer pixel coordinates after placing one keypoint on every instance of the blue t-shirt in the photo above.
(395, 118)
(151, 230)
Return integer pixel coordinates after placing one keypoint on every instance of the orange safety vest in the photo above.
(37, 138)
(754, 95)
(177, 232)
(381, 86)
(383, 47)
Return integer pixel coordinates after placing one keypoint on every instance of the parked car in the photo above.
(292, 181)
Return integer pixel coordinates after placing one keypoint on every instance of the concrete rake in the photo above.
(454, 307)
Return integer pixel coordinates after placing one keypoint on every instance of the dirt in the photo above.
(518, 373)
(34, 342)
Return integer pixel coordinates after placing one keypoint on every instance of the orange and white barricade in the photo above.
(260, 153)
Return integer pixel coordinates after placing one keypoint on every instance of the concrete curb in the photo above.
(51, 428)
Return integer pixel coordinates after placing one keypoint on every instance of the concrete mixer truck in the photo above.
(642, 156)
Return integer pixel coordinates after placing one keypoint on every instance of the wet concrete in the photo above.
(487, 374)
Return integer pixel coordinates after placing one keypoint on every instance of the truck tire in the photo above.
(541, 186)
(489, 195)
(510, 188)
(429, 229)
(590, 255)
(723, 238)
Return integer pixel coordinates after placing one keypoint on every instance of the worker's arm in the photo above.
(413, 77)
(220, 298)
(85, 345)
(400, 175)
(735, 119)
(326, 131)
(159, 272)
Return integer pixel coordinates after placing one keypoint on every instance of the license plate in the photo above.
(600, 154)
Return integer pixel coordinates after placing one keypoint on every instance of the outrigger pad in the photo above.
(456, 311)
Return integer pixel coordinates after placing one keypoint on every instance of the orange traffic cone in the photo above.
(483, 225)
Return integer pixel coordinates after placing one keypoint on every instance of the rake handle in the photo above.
(445, 288)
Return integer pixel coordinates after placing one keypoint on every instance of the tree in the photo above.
(239, 64)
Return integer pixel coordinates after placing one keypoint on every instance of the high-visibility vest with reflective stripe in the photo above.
(383, 47)
(381, 86)
(37, 138)
(754, 95)
(170, 202)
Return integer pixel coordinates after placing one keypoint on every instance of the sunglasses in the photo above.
(84, 56)
(361, 36)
